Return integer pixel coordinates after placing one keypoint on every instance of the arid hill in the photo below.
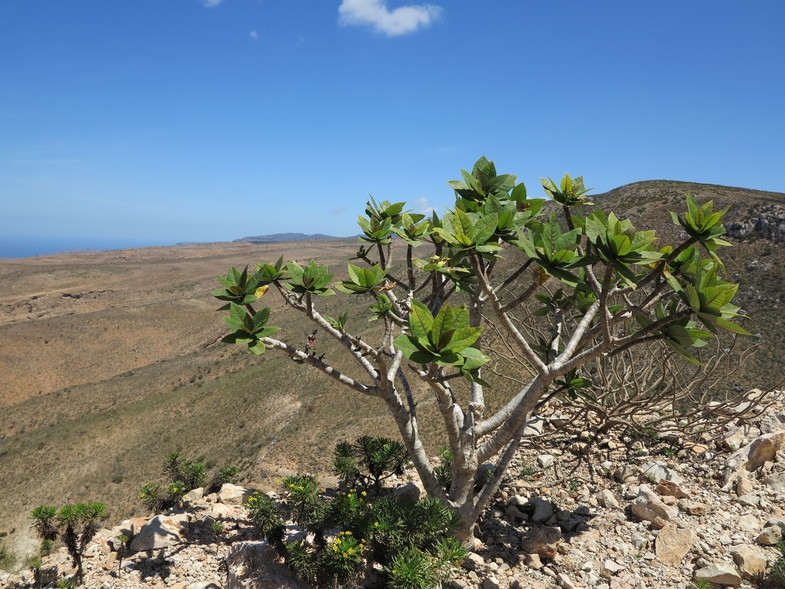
(111, 360)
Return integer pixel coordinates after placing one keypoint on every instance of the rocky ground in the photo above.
(616, 514)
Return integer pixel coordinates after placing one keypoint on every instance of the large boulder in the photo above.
(647, 506)
(751, 561)
(543, 541)
(673, 543)
(752, 456)
(233, 494)
(161, 531)
(254, 565)
(720, 574)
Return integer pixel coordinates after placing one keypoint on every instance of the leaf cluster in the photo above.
(445, 340)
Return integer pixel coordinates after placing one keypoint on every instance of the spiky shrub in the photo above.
(122, 548)
(447, 553)
(267, 520)
(363, 530)
(343, 556)
(45, 522)
(225, 474)
(416, 568)
(368, 461)
(303, 559)
(151, 497)
(35, 565)
(193, 475)
(560, 294)
(308, 508)
(411, 569)
(443, 470)
(182, 475)
(74, 524)
(350, 510)
(777, 570)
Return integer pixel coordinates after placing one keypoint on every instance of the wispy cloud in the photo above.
(398, 21)
(211, 3)
(254, 35)
(423, 206)
(338, 211)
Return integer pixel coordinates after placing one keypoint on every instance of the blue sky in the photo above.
(208, 120)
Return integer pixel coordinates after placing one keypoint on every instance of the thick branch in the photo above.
(305, 358)
(504, 318)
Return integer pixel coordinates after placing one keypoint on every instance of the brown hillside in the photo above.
(111, 360)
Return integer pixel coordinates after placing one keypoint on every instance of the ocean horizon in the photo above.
(24, 246)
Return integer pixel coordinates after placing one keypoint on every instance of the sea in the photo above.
(12, 246)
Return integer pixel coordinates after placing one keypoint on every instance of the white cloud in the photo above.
(398, 21)
(423, 206)
(254, 35)
(211, 3)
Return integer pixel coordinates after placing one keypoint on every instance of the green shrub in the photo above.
(308, 508)
(411, 568)
(367, 530)
(151, 497)
(74, 524)
(368, 461)
(350, 510)
(7, 558)
(44, 522)
(443, 470)
(343, 556)
(267, 520)
(193, 475)
(414, 568)
(182, 476)
(302, 559)
(449, 553)
(777, 571)
(226, 474)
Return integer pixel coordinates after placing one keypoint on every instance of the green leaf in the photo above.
(412, 350)
(463, 230)
(420, 320)
(463, 338)
(485, 228)
(473, 359)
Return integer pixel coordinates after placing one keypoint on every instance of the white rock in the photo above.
(647, 506)
(721, 574)
(545, 460)
(673, 543)
(193, 496)
(160, 532)
(770, 536)
(658, 472)
(750, 561)
(233, 494)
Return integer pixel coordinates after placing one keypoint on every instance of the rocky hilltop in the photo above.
(613, 514)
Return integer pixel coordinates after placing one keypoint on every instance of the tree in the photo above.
(564, 293)
(75, 524)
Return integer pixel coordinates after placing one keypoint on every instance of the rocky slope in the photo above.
(613, 514)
